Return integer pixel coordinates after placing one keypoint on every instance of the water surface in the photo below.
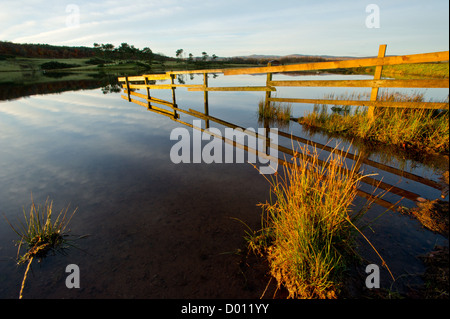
(158, 229)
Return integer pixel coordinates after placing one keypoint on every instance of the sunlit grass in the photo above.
(412, 70)
(435, 70)
(420, 129)
(275, 111)
(308, 229)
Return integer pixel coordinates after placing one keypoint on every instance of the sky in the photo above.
(234, 27)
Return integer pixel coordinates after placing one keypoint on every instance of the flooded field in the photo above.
(163, 230)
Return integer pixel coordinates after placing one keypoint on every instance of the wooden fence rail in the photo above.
(345, 64)
(149, 81)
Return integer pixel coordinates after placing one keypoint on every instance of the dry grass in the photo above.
(307, 231)
(274, 111)
(419, 129)
(432, 214)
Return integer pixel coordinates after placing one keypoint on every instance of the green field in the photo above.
(405, 71)
(29, 71)
(33, 64)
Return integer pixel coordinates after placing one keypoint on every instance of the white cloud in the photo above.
(232, 27)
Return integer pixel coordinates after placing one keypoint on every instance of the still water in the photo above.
(158, 229)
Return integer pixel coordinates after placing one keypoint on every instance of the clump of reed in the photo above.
(274, 111)
(308, 230)
(39, 235)
(413, 128)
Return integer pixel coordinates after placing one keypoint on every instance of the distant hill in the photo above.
(300, 57)
(284, 59)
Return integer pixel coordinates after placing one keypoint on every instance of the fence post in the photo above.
(268, 93)
(205, 97)
(377, 76)
(175, 114)
(148, 92)
(128, 88)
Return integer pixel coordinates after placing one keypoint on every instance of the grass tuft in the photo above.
(308, 231)
(274, 111)
(39, 235)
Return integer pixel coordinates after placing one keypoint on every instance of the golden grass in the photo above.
(308, 232)
(275, 111)
(419, 129)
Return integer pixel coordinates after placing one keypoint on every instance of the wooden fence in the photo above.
(360, 159)
(148, 81)
(170, 108)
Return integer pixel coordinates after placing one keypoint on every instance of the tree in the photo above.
(147, 54)
(204, 56)
(107, 50)
(124, 50)
(179, 54)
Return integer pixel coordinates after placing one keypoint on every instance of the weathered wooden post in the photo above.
(377, 76)
(148, 93)
(174, 101)
(267, 105)
(128, 88)
(205, 97)
(268, 92)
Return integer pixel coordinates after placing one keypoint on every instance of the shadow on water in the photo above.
(165, 230)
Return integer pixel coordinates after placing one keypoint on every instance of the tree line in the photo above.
(180, 54)
(27, 50)
(106, 51)
(126, 52)
(289, 59)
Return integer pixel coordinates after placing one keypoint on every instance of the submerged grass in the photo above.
(39, 235)
(308, 228)
(420, 129)
(275, 111)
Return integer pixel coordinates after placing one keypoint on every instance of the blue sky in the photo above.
(232, 27)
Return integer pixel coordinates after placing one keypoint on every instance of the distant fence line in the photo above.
(147, 81)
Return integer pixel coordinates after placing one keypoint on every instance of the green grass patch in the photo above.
(34, 64)
(427, 70)
(406, 71)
